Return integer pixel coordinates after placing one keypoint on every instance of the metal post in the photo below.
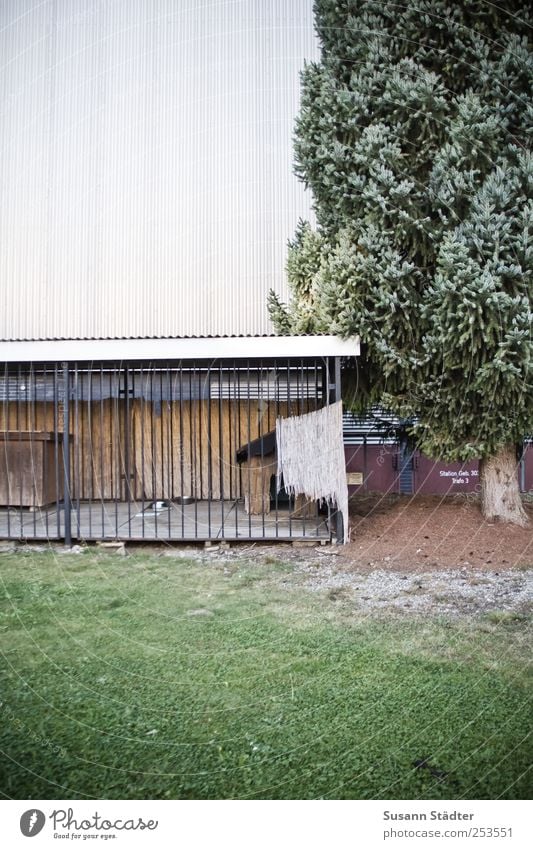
(67, 505)
(128, 489)
(365, 463)
(339, 524)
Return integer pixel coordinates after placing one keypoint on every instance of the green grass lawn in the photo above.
(155, 677)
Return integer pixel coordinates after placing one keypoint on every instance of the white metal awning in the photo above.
(206, 348)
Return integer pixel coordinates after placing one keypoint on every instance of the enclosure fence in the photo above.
(171, 451)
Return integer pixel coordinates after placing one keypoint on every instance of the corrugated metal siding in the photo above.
(146, 164)
(379, 427)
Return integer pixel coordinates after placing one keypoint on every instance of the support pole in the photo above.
(337, 396)
(67, 502)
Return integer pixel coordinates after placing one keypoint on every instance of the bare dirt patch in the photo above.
(433, 533)
(427, 555)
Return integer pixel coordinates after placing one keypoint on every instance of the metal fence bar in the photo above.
(142, 417)
(31, 424)
(91, 451)
(221, 448)
(18, 426)
(234, 442)
(258, 428)
(200, 431)
(181, 442)
(193, 459)
(153, 451)
(209, 453)
(164, 471)
(289, 412)
(239, 443)
(5, 458)
(76, 449)
(248, 440)
(66, 456)
(128, 494)
(276, 414)
(339, 523)
(57, 470)
(303, 408)
(116, 450)
(327, 400)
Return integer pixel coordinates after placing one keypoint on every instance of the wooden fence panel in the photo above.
(174, 449)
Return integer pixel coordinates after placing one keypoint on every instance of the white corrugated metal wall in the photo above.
(146, 164)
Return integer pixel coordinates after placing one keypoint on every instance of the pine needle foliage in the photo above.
(414, 137)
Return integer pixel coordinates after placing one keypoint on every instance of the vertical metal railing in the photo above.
(31, 453)
(67, 505)
(129, 481)
(221, 468)
(148, 451)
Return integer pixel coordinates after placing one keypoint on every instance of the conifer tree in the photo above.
(414, 137)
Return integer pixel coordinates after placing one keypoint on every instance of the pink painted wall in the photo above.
(435, 478)
(378, 470)
(430, 476)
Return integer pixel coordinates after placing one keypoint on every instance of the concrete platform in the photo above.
(202, 520)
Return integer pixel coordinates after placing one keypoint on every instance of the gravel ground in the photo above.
(457, 592)
(462, 591)
(347, 575)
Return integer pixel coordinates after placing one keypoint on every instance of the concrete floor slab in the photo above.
(201, 520)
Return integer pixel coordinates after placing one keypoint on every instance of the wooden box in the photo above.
(31, 468)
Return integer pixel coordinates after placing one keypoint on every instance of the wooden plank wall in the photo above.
(22, 416)
(98, 454)
(174, 449)
(190, 449)
(96, 442)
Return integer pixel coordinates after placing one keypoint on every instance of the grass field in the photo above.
(158, 677)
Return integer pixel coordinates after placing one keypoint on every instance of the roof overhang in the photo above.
(204, 348)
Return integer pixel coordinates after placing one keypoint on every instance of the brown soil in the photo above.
(393, 534)
(434, 533)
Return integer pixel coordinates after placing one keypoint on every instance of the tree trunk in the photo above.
(500, 493)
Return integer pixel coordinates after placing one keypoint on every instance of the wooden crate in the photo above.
(30, 473)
